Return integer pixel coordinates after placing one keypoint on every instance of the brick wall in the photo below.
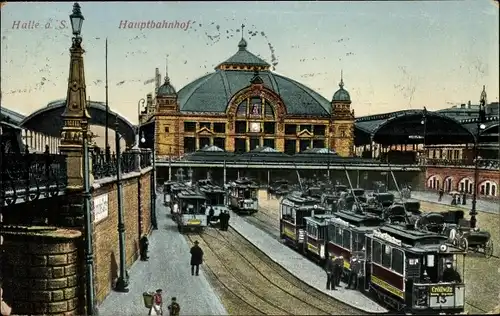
(40, 268)
(457, 174)
(137, 222)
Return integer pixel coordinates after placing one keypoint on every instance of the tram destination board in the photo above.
(443, 296)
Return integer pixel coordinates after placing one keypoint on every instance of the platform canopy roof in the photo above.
(411, 127)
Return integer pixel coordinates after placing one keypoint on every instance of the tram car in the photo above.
(385, 199)
(243, 196)
(171, 190)
(216, 198)
(192, 210)
(294, 208)
(404, 268)
(279, 188)
(346, 234)
(316, 236)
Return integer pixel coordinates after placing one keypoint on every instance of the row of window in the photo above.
(243, 127)
(452, 154)
(387, 256)
(240, 144)
(190, 127)
(343, 237)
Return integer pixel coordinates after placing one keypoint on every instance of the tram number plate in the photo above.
(194, 222)
(442, 296)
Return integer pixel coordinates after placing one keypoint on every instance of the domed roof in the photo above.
(212, 92)
(166, 89)
(341, 94)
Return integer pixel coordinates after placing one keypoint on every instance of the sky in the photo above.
(394, 55)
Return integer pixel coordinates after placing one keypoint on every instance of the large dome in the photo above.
(212, 92)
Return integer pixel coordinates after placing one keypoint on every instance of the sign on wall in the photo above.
(100, 207)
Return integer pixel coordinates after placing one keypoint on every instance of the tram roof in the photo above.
(297, 197)
(191, 194)
(211, 188)
(412, 236)
(320, 219)
(360, 219)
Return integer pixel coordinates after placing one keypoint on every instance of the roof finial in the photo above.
(167, 79)
(341, 84)
(482, 101)
(242, 29)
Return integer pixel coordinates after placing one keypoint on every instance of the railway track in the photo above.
(257, 284)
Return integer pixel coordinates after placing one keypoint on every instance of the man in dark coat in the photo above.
(464, 198)
(196, 258)
(353, 274)
(338, 267)
(450, 274)
(211, 214)
(441, 193)
(143, 248)
(329, 268)
(224, 220)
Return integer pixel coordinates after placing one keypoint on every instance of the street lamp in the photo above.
(480, 127)
(139, 104)
(76, 20)
(122, 282)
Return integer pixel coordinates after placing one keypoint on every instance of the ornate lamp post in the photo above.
(480, 127)
(140, 103)
(74, 143)
(122, 282)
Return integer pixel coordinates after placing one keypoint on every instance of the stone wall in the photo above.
(40, 270)
(137, 223)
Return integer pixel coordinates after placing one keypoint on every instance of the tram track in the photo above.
(259, 282)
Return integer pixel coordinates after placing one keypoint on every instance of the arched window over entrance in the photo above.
(433, 183)
(488, 188)
(448, 184)
(255, 124)
(466, 185)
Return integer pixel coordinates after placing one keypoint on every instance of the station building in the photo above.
(242, 106)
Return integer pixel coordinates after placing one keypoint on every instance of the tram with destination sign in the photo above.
(243, 196)
(294, 208)
(405, 269)
(192, 213)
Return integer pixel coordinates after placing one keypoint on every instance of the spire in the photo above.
(242, 45)
(483, 97)
(341, 84)
(167, 79)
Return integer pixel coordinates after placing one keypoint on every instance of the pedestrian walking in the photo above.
(464, 197)
(174, 308)
(224, 220)
(5, 310)
(353, 274)
(329, 268)
(338, 268)
(196, 258)
(454, 200)
(143, 248)
(441, 193)
(157, 307)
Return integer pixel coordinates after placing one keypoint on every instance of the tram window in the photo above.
(321, 232)
(377, 252)
(358, 241)
(386, 256)
(331, 232)
(397, 260)
(338, 236)
(346, 240)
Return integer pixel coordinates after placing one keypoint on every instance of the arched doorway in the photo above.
(434, 183)
(466, 185)
(448, 184)
(488, 188)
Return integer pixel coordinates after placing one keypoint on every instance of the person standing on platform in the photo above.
(226, 223)
(329, 268)
(353, 274)
(211, 214)
(157, 307)
(143, 247)
(196, 258)
(174, 308)
(338, 267)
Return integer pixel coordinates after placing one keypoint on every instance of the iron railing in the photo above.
(26, 177)
(102, 167)
(467, 163)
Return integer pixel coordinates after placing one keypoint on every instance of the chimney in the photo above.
(462, 106)
(149, 101)
(468, 104)
(157, 79)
